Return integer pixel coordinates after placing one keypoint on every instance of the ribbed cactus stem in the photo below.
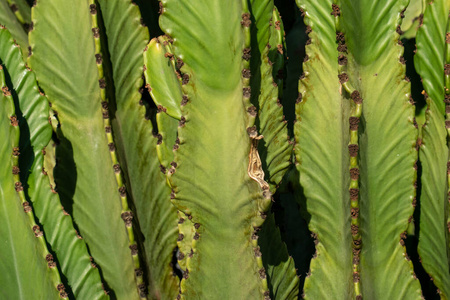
(126, 213)
(254, 159)
(278, 57)
(19, 189)
(447, 113)
(353, 148)
(15, 9)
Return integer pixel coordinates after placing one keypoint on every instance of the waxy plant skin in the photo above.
(181, 149)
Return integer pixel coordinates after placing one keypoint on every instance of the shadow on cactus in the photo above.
(146, 153)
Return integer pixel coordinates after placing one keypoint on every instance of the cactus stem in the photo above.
(20, 192)
(447, 112)
(353, 148)
(126, 214)
(15, 9)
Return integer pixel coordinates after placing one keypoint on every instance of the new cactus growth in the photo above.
(148, 156)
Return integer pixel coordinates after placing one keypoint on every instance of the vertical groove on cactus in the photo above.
(255, 165)
(211, 182)
(66, 70)
(8, 110)
(127, 37)
(447, 126)
(276, 55)
(322, 156)
(32, 110)
(164, 85)
(430, 62)
(126, 213)
(386, 145)
(273, 148)
(353, 148)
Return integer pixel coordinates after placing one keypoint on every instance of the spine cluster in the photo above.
(254, 160)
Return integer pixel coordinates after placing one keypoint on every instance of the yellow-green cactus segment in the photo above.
(277, 49)
(353, 147)
(322, 156)
(274, 148)
(212, 180)
(164, 85)
(431, 64)
(136, 146)
(9, 20)
(431, 50)
(83, 278)
(161, 76)
(186, 233)
(412, 18)
(433, 200)
(67, 72)
(126, 213)
(22, 11)
(23, 244)
(447, 126)
(386, 149)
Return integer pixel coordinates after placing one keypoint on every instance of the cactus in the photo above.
(149, 157)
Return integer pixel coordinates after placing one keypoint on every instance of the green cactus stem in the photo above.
(31, 248)
(214, 150)
(430, 62)
(322, 138)
(126, 213)
(353, 147)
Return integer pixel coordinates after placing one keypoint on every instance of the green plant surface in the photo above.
(22, 10)
(281, 273)
(156, 163)
(210, 141)
(138, 149)
(430, 61)
(67, 72)
(430, 53)
(274, 149)
(10, 21)
(386, 147)
(433, 239)
(71, 252)
(277, 53)
(160, 74)
(322, 137)
(412, 19)
(30, 250)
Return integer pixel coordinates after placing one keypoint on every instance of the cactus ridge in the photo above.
(213, 147)
(126, 214)
(27, 208)
(234, 91)
(369, 58)
(267, 43)
(447, 122)
(430, 62)
(353, 146)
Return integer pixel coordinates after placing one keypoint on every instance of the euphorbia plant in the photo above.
(138, 166)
